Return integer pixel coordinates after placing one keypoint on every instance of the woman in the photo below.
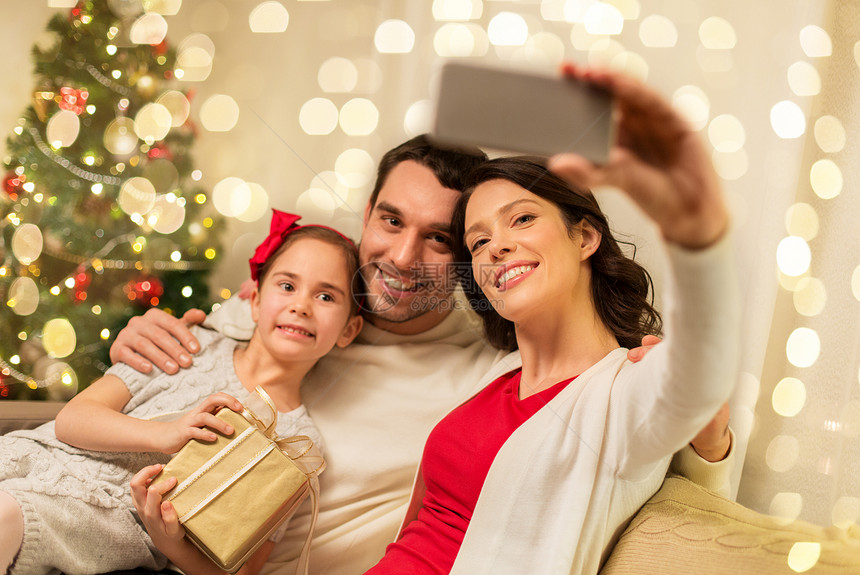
(541, 470)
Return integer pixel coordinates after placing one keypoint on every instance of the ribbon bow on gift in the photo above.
(260, 411)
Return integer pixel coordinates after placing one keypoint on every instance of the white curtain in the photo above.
(804, 452)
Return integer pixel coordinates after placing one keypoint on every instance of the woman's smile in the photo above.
(513, 273)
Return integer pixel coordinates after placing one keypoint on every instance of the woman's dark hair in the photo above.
(450, 165)
(329, 236)
(619, 286)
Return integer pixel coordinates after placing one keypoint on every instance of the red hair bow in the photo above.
(283, 224)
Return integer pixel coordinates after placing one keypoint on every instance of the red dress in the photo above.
(457, 458)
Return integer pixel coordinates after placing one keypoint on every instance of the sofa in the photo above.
(684, 529)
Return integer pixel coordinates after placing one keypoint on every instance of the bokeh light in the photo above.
(148, 29)
(603, 19)
(731, 165)
(785, 507)
(63, 129)
(317, 204)
(809, 296)
(318, 116)
(803, 556)
(782, 453)
(250, 202)
(269, 18)
(23, 297)
(789, 397)
(394, 37)
(27, 243)
(717, 34)
(167, 215)
(460, 40)
(815, 42)
(657, 31)
(826, 179)
(801, 220)
(355, 168)
(137, 196)
(726, 133)
(194, 57)
(120, 137)
(152, 122)
(793, 256)
(337, 75)
(359, 117)
(829, 134)
(457, 9)
(178, 106)
(507, 29)
(59, 338)
(692, 102)
(803, 79)
(787, 120)
(229, 193)
(803, 347)
(219, 113)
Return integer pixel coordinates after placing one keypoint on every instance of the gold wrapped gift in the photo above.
(232, 494)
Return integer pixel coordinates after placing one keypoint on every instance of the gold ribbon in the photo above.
(261, 412)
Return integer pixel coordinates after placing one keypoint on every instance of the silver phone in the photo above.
(521, 111)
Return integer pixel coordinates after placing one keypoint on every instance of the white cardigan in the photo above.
(566, 483)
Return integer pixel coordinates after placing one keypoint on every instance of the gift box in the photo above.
(232, 494)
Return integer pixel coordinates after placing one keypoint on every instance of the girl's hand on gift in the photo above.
(158, 517)
(198, 423)
(161, 521)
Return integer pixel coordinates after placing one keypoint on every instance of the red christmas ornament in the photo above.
(13, 184)
(82, 282)
(160, 150)
(145, 290)
(160, 49)
(74, 100)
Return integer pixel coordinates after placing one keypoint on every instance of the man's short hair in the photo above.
(450, 165)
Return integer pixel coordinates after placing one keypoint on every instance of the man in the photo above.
(418, 356)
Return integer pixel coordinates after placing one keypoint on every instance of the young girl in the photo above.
(64, 487)
(542, 469)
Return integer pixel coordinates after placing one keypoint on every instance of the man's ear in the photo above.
(589, 239)
(350, 331)
(367, 211)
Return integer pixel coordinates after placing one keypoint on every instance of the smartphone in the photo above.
(521, 111)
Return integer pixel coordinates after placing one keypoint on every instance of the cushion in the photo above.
(687, 529)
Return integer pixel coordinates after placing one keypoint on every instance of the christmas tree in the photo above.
(100, 216)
